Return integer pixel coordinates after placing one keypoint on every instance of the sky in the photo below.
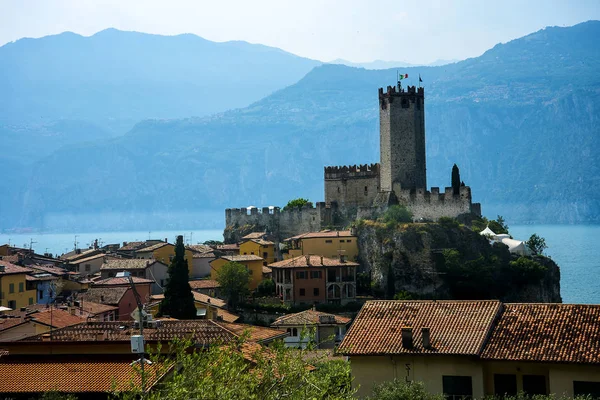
(416, 31)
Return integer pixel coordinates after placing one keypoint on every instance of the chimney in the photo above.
(342, 258)
(1, 268)
(124, 244)
(321, 260)
(307, 259)
(426, 338)
(102, 298)
(166, 240)
(407, 338)
(72, 310)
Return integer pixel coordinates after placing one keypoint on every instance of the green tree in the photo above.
(398, 389)
(455, 179)
(234, 279)
(266, 288)
(525, 270)
(179, 300)
(537, 244)
(213, 243)
(499, 225)
(395, 214)
(295, 203)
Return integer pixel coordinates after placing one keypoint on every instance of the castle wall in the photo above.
(351, 186)
(402, 138)
(432, 205)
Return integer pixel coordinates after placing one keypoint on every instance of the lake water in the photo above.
(575, 248)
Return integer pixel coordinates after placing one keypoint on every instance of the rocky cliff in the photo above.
(449, 261)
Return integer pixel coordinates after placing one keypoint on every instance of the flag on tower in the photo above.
(402, 76)
(420, 80)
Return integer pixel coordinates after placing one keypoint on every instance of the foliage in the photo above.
(234, 279)
(499, 225)
(363, 283)
(455, 179)
(56, 396)
(213, 243)
(266, 288)
(537, 244)
(394, 215)
(179, 300)
(398, 389)
(403, 295)
(525, 270)
(296, 203)
(242, 370)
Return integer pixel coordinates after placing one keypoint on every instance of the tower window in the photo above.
(366, 190)
(339, 189)
(405, 103)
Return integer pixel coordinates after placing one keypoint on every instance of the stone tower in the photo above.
(402, 138)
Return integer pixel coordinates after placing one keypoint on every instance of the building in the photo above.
(209, 287)
(201, 264)
(324, 329)
(259, 247)
(117, 292)
(45, 285)
(37, 321)
(163, 252)
(156, 271)
(88, 265)
(332, 244)
(313, 279)
(15, 292)
(206, 307)
(232, 249)
(476, 348)
(253, 263)
(362, 191)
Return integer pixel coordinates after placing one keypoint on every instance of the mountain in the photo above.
(521, 121)
(381, 64)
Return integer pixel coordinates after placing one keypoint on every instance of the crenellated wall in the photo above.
(351, 186)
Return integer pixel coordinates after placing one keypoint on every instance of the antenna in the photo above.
(75, 242)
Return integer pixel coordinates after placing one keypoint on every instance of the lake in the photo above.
(574, 248)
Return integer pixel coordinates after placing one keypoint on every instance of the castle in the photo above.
(363, 191)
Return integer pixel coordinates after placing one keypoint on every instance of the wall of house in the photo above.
(21, 298)
(159, 273)
(369, 370)
(200, 267)
(94, 266)
(128, 303)
(309, 285)
(165, 254)
(266, 252)
(327, 247)
(254, 267)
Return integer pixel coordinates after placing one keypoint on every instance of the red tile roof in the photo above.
(153, 247)
(199, 248)
(244, 257)
(546, 332)
(204, 284)
(97, 308)
(132, 246)
(10, 268)
(322, 234)
(256, 334)
(57, 318)
(105, 294)
(70, 374)
(51, 270)
(312, 261)
(254, 235)
(209, 254)
(456, 327)
(121, 281)
(87, 259)
(202, 298)
(226, 316)
(308, 317)
(122, 264)
(232, 246)
(266, 270)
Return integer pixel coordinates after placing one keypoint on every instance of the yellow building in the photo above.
(332, 244)
(206, 307)
(14, 292)
(163, 252)
(254, 264)
(259, 247)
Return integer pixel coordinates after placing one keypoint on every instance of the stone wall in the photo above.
(351, 186)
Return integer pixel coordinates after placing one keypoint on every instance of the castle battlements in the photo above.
(434, 196)
(352, 171)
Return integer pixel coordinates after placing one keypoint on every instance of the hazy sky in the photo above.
(417, 31)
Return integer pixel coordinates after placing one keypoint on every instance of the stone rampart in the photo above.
(352, 171)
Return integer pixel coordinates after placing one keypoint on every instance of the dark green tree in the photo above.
(179, 300)
(396, 214)
(234, 279)
(266, 288)
(537, 244)
(295, 203)
(455, 179)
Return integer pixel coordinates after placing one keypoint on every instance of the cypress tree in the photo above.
(455, 180)
(179, 300)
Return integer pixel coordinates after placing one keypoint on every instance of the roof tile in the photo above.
(312, 261)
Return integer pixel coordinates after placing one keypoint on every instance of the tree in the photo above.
(266, 288)
(212, 243)
(295, 203)
(537, 244)
(234, 279)
(398, 389)
(499, 225)
(179, 300)
(455, 179)
(396, 214)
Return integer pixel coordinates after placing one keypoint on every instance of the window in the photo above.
(534, 384)
(348, 241)
(87, 267)
(77, 268)
(295, 332)
(302, 292)
(329, 241)
(250, 271)
(366, 190)
(21, 287)
(582, 388)
(265, 254)
(316, 274)
(301, 275)
(12, 304)
(505, 384)
(457, 387)
(339, 189)
(252, 252)
(245, 253)
(316, 291)
(11, 288)
(30, 300)
(40, 294)
(342, 241)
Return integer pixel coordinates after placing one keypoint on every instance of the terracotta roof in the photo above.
(204, 284)
(308, 317)
(132, 246)
(546, 332)
(202, 298)
(202, 331)
(73, 374)
(7, 323)
(11, 259)
(83, 260)
(245, 257)
(257, 334)
(10, 268)
(97, 308)
(57, 318)
(204, 255)
(153, 247)
(51, 270)
(122, 264)
(254, 235)
(232, 246)
(262, 242)
(74, 255)
(199, 248)
(121, 281)
(456, 327)
(266, 270)
(312, 261)
(227, 316)
(322, 234)
(105, 295)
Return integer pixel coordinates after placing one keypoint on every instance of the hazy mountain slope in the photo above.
(521, 121)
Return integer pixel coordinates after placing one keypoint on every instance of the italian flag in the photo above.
(402, 76)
